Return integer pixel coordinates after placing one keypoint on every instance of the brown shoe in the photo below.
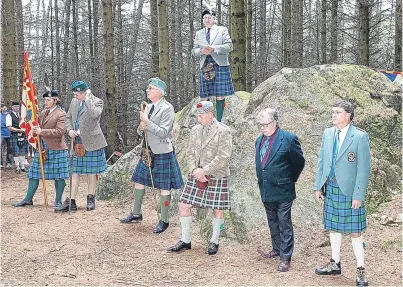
(270, 254)
(284, 266)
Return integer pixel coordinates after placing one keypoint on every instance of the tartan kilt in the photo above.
(221, 85)
(93, 162)
(215, 196)
(16, 149)
(337, 212)
(55, 167)
(165, 170)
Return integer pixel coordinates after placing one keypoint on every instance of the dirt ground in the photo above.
(40, 247)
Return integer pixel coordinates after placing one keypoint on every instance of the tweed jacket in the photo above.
(53, 128)
(89, 121)
(212, 152)
(220, 40)
(353, 163)
(159, 127)
(281, 171)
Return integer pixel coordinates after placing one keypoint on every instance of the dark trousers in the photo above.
(281, 230)
(6, 146)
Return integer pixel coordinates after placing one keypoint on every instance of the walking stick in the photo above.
(142, 107)
(71, 170)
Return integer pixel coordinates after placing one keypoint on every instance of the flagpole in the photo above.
(45, 193)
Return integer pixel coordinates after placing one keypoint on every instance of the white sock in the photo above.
(217, 222)
(335, 244)
(17, 162)
(358, 247)
(22, 161)
(185, 228)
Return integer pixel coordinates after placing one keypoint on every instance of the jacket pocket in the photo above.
(283, 180)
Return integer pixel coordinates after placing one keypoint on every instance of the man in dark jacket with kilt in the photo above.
(51, 129)
(83, 125)
(207, 186)
(156, 122)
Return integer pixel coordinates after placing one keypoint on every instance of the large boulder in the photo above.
(303, 98)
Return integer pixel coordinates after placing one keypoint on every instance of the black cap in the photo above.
(48, 94)
(14, 103)
(208, 11)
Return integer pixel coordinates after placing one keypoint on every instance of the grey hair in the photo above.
(347, 105)
(270, 114)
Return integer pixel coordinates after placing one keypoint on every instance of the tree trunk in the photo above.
(249, 74)
(296, 34)
(398, 36)
(66, 52)
(154, 38)
(192, 76)
(9, 67)
(57, 38)
(262, 41)
(323, 31)
(111, 98)
(75, 39)
(91, 39)
(238, 21)
(218, 13)
(286, 32)
(163, 41)
(19, 44)
(363, 38)
(333, 31)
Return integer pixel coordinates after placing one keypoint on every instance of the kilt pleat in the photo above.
(16, 149)
(165, 170)
(222, 83)
(93, 162)
(215, 196)
(55, 167)
(337, 212)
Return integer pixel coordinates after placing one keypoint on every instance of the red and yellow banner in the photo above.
(29, 104)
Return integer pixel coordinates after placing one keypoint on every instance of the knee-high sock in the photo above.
(75, 182)
(17, 162)
(92, 183)
(164, 201)
(185, 228)
(59, 187)
(220, 109)
(138, 200)
(358, 247)
(22, 161)
(218, 223)
(32, 187)
(335, 244)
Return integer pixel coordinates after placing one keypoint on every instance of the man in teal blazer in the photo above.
(342, 178)
(279, 162)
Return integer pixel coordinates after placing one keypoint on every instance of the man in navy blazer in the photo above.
(279, 162)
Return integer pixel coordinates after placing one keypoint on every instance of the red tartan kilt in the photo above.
(215, 196)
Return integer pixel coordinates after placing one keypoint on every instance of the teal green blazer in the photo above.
(353, 163)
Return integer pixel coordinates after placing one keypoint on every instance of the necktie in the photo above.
(208, 36)
(264, 148)
(335, 152)
(80, 108)
(151, 111)
(47, 113)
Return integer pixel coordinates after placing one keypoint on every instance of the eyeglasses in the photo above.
(336, 113)
(262, 125)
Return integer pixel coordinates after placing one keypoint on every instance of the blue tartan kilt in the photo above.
(165, 170)
(93, 162)
(337, 212)
(16, 149)
(55, 167)
(221, 85)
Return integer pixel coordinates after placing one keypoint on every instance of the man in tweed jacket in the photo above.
(83, 125)
(342, 178)
(210, 148)
(51, 128)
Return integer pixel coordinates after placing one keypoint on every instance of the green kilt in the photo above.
(338, 215)
(215, 196)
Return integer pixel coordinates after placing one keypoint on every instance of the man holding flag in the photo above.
(51, 128)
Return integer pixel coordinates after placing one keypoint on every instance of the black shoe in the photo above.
(361, 278)
(180, 246)
(284, 266)
(212, 248)
(161, 227)
(65, 206)
(332, 268)
(132, 217)
(90, 202)
(22, 203)
(23, 169)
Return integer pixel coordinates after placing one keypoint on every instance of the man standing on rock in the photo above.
(83, 125)
(208, 156)
(157, 123)
(51, 129)
(279, 162)
(342, 178)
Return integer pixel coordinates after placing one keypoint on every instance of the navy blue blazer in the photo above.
(284, 165)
